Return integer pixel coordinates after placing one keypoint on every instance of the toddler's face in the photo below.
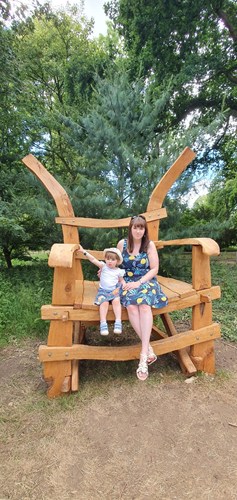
(111, 261)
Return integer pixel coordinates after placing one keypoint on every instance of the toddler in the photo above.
(111, 278)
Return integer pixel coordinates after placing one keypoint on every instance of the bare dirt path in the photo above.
(118, 438)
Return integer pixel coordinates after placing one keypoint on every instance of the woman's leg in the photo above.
(141, 320)
(146, 322)
(134, 318)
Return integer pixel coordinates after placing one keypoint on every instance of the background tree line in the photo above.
(108, 115)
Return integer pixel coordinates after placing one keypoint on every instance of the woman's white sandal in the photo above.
(142, 371)
(151, 358)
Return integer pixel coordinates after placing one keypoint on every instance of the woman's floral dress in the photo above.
(149, 293)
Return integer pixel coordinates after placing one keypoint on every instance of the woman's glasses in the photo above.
(138, 216)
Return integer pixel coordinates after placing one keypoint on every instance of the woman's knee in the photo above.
(145, 309)
(132, 310)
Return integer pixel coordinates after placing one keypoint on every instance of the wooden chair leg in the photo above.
(203, 355)
(58, 373)
(186, 364)
(55, 373)
(78, 338)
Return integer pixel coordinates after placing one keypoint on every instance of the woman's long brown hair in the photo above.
(138, 220)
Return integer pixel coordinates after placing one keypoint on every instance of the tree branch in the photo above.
(224, 17)
(200, 102)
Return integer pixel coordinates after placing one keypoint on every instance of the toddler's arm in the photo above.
(121, 280)
(90, 257)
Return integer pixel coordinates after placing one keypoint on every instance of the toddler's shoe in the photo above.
(104, 328)
(118, 327)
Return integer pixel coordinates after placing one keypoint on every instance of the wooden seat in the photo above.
(73, 309)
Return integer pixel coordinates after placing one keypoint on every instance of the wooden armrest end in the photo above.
(61, 254)
(209, 246)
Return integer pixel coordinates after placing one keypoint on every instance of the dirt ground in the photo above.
(118, 438)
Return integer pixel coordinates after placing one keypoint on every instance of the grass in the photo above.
(224, 274)
(23, 290)
(28, 285)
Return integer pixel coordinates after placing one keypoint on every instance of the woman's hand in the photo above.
(131, 285)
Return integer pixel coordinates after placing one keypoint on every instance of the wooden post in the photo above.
(202, 355)
(58, 373)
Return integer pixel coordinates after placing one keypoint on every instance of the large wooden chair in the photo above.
(72, 308)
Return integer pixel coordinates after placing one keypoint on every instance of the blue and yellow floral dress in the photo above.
(149, 293)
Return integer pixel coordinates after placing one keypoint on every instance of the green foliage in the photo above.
(25, 215)
(23, 290)
(126, 101)
(186, 39)
(119, 143)
(214, 215)
(225, 311)
(190, 46)
(124, 154)
(59, 63)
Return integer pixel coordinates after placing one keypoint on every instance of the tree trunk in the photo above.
(7, 255)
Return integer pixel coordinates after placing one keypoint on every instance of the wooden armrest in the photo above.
(61, 254)
(209, 246)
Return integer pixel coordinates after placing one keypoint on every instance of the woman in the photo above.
(140, 290)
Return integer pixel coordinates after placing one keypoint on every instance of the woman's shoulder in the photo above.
(120, 244)
(151, 246)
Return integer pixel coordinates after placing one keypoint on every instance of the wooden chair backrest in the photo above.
(70, 223)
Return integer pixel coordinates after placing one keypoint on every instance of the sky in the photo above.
(92, 8)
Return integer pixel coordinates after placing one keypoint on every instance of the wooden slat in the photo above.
(124, 353)
(107, 223)
(159, 333)
(178, 287)
(98, 254)
(91, 287)
(90, 291)
(170, 294)
(56, 312)
(79, 291)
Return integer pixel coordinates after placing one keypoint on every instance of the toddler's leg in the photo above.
(103, 314)
(117, 312)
